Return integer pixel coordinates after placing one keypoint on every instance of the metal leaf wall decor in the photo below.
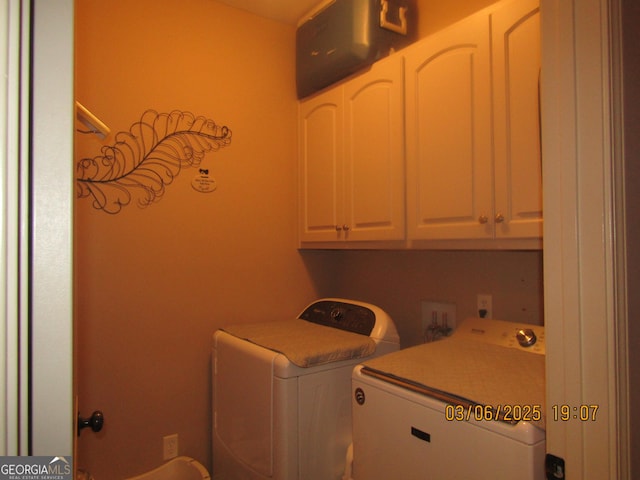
(144, 160)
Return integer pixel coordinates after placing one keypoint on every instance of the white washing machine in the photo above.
(471, 406)
(282, 390)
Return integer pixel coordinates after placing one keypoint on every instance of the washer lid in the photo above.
(462, 371)
(304, 343)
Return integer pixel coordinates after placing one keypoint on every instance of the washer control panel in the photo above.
(520, 336)
(341, 315)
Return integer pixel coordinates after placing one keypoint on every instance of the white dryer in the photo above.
(282, 390)
(471, 406)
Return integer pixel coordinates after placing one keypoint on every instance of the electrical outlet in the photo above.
(438, 319)
(485, 305)
(170, 446)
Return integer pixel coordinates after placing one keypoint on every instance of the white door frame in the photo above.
(36, 209)
(52, 411)
(14, 263)
(579, 168)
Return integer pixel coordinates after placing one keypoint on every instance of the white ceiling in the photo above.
(285, 11)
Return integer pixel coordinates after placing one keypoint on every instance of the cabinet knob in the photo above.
(499, 218)
(345, 227)
(483, 219)
(338, 228)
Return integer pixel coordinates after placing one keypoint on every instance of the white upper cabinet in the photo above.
(473, 136)
(460, 111)
(351, 159)
(320, 160)
(448, 132)
(516, 86)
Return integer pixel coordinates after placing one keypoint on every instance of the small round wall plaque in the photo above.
(203, 183)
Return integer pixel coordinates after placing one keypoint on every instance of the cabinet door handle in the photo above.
(338, 228)
(345, 227)
(483, 219)
(499, 218)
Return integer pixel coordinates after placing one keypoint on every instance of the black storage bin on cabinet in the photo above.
(349, 35)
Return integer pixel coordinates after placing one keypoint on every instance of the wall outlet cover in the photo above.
(170, 446)
(485, 305)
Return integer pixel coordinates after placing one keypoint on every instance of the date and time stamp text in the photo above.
(517, 413)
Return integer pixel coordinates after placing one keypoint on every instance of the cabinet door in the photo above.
(449, 171)
(320, 167)
(374, 153)
(516, 74)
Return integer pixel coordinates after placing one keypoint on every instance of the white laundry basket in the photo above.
(179, 468)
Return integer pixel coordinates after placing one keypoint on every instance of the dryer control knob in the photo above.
(526, 337)
(337, 314)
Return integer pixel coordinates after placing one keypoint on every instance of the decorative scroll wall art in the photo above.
(144, 160)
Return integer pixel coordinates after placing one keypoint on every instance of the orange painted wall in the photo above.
(434, 15)
(153, 284)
